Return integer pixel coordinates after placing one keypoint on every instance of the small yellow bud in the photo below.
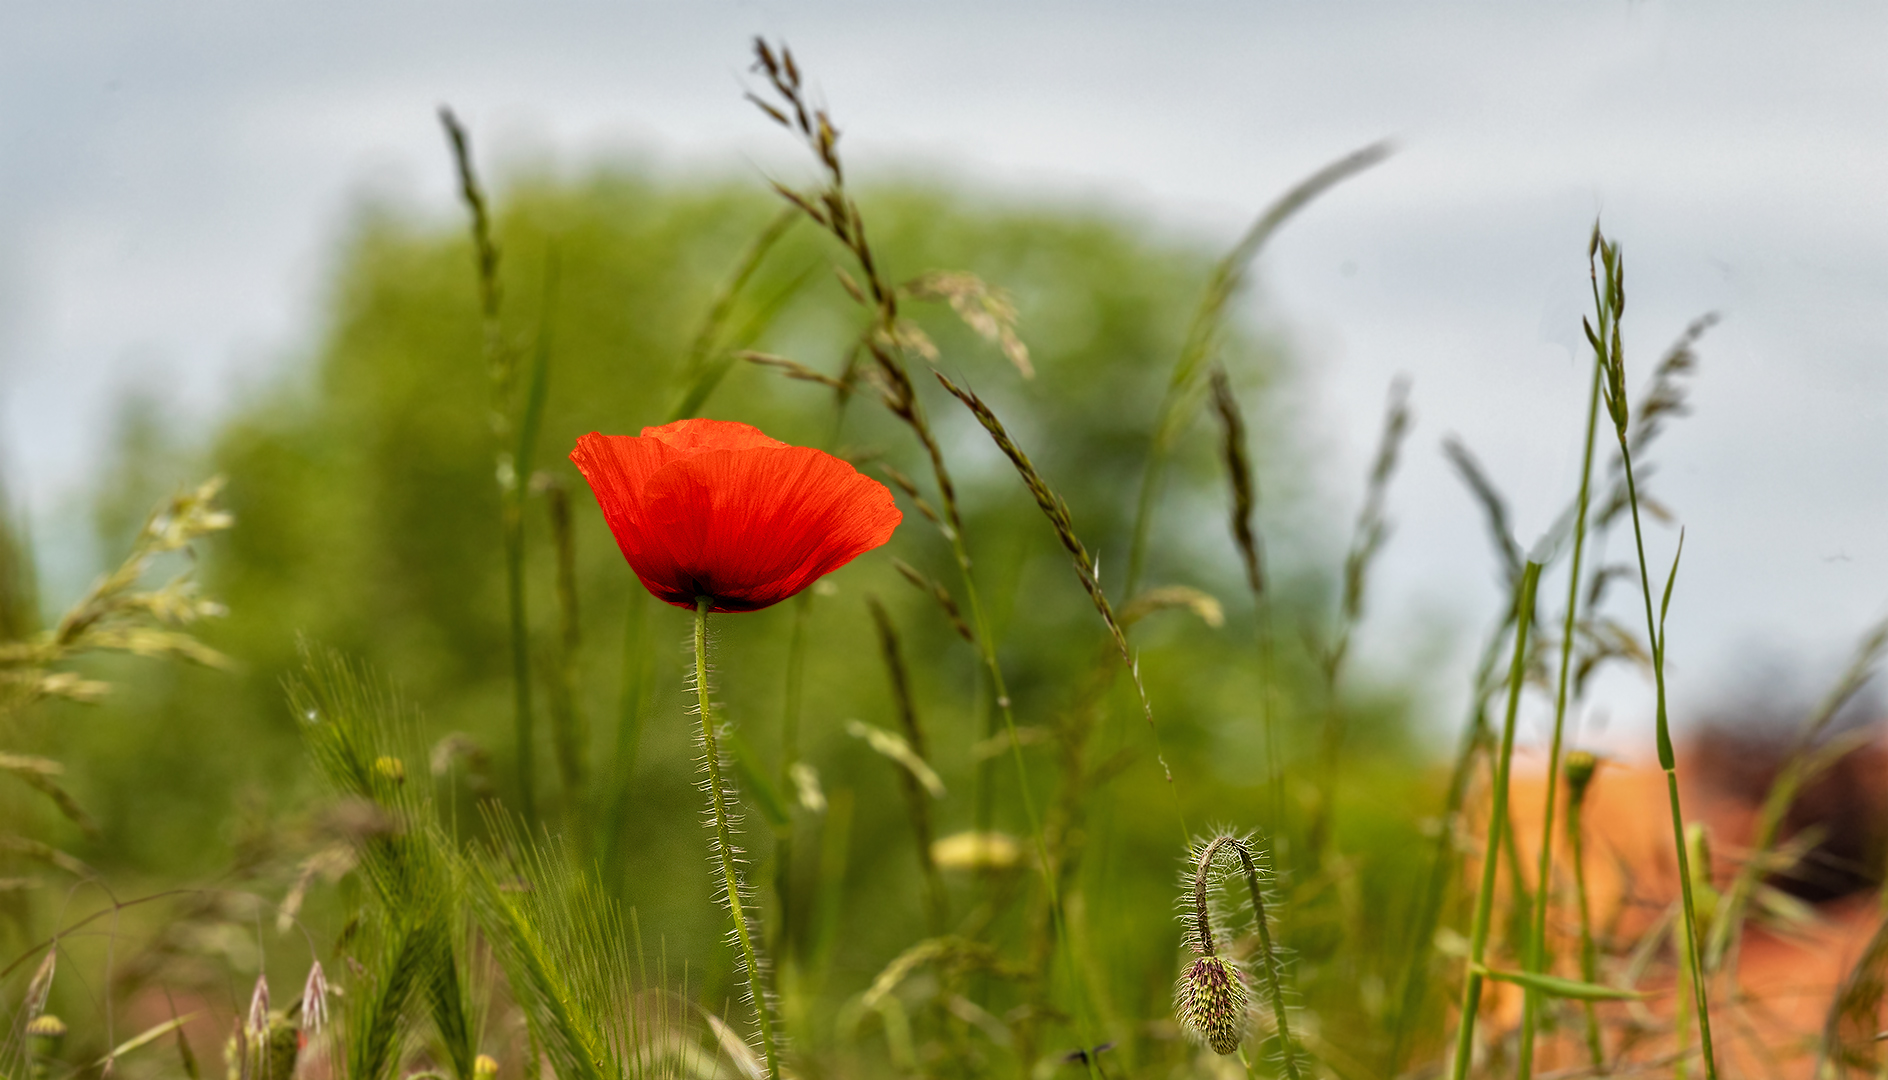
(1580, 767)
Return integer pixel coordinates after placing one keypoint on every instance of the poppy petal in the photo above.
(719, 509)
(753, 527)
(696, 436)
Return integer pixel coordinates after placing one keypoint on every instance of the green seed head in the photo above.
(1210, 1002)
(1580, 767)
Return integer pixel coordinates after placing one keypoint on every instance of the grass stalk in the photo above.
(1497, 818)
(718, 799)
(705, 365)
(791, 698)
(1609, 304)
(1057, 512)
(1367, 539)
(1441, 863)
(636, 677)
(1181, 397)
(917, 799)
(1580, 768)
(570, 732)
(1536, 959)
(1241, 478)
(501, 364)
(833, 210)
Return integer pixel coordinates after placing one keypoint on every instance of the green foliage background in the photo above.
(368, 520)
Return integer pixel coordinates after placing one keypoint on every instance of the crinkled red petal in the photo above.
(748, 526)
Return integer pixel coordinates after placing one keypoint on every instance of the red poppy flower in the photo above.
(717, 509)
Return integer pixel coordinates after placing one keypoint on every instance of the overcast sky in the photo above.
(173, 178)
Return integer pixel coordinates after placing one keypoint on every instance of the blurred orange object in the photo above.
(1802, 936)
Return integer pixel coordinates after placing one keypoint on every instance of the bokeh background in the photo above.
(230, 242)
(177, 184)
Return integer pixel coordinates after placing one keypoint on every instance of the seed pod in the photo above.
(1210, 1002)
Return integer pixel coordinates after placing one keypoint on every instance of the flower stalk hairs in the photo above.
(715, 516)
(1213, 998)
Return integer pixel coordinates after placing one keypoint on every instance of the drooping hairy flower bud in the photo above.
(1210, 1002)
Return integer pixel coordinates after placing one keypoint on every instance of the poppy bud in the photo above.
(1210, 1002)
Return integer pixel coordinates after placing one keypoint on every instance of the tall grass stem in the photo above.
(1497, 818)
(1669, 762)
(1580, 769)
(1536, 958)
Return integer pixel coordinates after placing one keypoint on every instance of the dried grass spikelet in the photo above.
(117, 614)
(1210, 1001)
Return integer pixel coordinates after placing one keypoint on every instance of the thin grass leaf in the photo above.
(1181, 399)
(1494, 507)
(570, 730)
(700, 371)
(144, 1038)
(1554, 986)
(937, 591)
(1804, 762)
(1849, 1035)
(186, 1058)
(915, 784)
(1665, 602)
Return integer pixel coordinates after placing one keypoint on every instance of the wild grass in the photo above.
(913, 906)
